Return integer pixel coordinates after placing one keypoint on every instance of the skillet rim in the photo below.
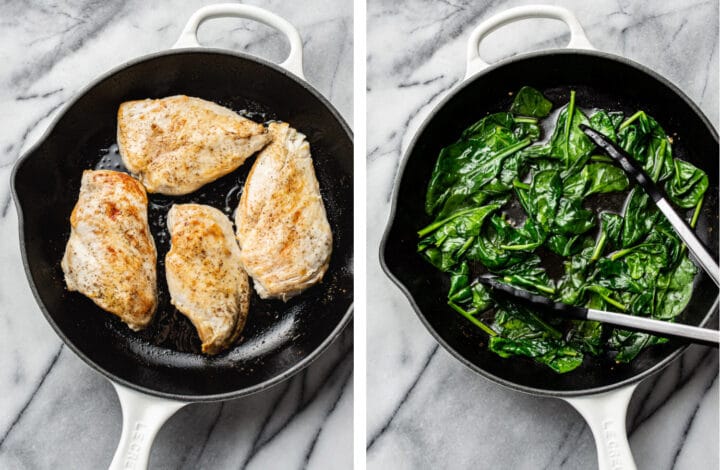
(60, 114)
(464, 83)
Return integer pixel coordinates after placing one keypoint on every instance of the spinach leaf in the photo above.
(521, 332)
(571, 287)
(568, 142)
(595, 178)
(635, 264)
(687, 186)
(663, 233)
(586, 335)
(473, 298)
(465, 167)
(604, 178)
(501, 245)
(611, 226)
(615, 274)
(675, 289)
(639, 217)
(448, 239)
(526, 238)
(488, 249)
(530, 102)
(543, 196)
(608, 296)
(628, 344)
(642, 137)
(575, 185)
(572, 218)
(529, 275)
(602, 122)
(564, 245)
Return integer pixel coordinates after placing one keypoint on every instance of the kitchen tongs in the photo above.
(686, 234)
(647, 325)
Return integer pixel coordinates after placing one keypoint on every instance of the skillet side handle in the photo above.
(605, 414)
(143, 416)
(294, 61)
(475, 64)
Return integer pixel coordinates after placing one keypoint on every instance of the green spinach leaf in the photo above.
(530, 102)
(687, 186)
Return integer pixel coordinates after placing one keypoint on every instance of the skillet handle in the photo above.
(605, 414)
(143, 416)
(475, 63)
(293, 63)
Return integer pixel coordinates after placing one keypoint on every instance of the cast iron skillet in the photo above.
(280, 338)
(601, 81)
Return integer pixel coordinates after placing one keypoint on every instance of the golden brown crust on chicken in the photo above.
(206, 280)
(177, 144)
(110, 256)
(282, 227)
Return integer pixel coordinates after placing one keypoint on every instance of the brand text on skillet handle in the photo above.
(143, 416)
(605, 413)
(137, 441)
(613, 447)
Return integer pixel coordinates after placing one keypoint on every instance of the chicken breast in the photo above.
(282, 227)
(177, 144)
(206, 280)
(110, 256)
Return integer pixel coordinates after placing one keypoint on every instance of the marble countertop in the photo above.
(55, 412)
(426, 410)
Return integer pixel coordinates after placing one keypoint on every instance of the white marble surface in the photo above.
(425, 409)
(55, 412)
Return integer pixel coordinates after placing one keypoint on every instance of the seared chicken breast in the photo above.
(282, 227)
(177, 144)
(110, 256)
(206, 280)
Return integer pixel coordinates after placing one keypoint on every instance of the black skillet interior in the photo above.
(601, 81)
(279, 337)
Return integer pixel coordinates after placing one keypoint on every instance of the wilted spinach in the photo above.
(631, 262)
(530, 102)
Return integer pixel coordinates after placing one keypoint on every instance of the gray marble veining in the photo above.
(55, 412)
(428, 410)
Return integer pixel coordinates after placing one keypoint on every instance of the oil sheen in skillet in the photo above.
(169, 328)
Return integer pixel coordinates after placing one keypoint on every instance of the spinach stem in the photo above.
(658, 168)
(568, 124)
(547, 290)
(435, 225)
(601, 158)
(465, 246)
(527, 246)
(472, 319)
(693, 221)
(621, 253)
(521, 190)
(459, 294)
(613, 302)
(514, 148)
(522, 280)
(631, 119)
(607, 298)
(696, 214)
(520, 184)
(599, 246)
(525, 120)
